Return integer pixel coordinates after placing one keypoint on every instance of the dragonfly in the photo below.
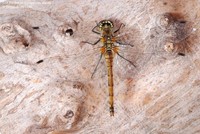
(109, 50)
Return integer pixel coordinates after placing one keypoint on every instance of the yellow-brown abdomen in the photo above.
(109, 62)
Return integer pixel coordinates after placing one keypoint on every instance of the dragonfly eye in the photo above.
(105, 24)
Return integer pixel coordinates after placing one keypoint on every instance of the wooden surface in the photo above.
(45, 84)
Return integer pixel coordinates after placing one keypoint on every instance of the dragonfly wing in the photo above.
(132, 59)
(73, 64)
(133, 53)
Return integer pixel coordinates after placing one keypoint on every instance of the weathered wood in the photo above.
(45, 84)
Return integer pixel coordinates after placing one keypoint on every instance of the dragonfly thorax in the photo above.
(109, 47)
(107, 39)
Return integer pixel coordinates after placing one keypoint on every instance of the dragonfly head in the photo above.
(105, 25)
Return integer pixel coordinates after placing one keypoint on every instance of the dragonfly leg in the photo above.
(120, 43)
(92, 43)
(119, 28)
(126, 60)
(93, 30)
(97, 65)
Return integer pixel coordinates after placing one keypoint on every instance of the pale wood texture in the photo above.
(57, 95)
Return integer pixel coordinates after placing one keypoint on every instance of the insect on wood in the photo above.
(108, 50)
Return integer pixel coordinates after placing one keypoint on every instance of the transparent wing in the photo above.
(133, 53)
(77, 64)
(131, 60)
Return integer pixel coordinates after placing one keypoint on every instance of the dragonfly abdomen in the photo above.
(109, 62)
